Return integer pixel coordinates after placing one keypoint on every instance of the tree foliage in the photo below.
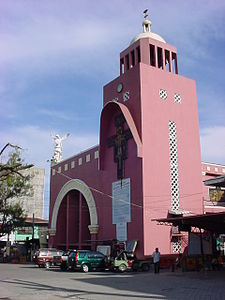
(14, 184)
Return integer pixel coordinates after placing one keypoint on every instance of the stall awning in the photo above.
(217, 181)
(214, 222)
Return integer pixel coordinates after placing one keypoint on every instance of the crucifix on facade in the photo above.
(119, 144)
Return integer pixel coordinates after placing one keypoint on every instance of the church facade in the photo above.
(147, 164)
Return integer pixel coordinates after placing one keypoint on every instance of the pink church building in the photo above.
(147, 165)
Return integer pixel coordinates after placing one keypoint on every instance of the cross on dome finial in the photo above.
(146, 23)
(146, 13)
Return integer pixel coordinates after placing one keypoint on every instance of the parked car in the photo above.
(86, 260)
(48, 257)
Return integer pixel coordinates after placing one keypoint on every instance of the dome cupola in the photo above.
(146, 24)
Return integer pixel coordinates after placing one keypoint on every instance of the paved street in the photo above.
(29, 282)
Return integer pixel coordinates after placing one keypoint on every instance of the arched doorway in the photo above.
(74, 217)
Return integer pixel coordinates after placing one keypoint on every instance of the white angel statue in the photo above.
(57, 155)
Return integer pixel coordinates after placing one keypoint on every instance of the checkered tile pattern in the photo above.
(126, 96)
(177, 98)
(163, 94)
(174, 180)
(176, 244)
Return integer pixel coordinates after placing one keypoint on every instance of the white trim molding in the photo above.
(82, 187)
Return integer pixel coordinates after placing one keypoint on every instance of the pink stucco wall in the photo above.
(156, 114)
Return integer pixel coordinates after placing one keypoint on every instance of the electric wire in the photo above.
(132, 203)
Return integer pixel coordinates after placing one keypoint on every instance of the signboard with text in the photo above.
(121, 211)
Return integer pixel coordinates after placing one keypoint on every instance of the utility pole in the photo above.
(32, 235)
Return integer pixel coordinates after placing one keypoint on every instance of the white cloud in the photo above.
(39, 145)
(56, 114)
(46, 37)
(213, 144)
(54, 41)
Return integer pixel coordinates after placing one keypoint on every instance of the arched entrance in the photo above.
(74, 216)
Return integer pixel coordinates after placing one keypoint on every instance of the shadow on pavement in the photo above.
(74, 292)
(129, 285)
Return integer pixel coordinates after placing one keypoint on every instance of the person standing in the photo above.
(156, 260)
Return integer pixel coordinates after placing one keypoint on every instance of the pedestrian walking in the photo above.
(156, 260)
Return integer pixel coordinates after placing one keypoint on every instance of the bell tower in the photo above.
(163, 107)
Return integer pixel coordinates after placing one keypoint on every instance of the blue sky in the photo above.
(55, 57)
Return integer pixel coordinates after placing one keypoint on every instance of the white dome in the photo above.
(150, 34)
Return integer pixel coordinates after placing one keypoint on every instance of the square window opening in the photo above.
(122, 66)
(160, 58)
(127, 62)
(152, 55)
(138, 54)
(167, 61)
(174, 63)
(132, 58)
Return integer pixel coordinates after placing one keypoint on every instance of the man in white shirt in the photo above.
(156, 260)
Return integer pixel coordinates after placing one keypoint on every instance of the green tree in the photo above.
(14, 184)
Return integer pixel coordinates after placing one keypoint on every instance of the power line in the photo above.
(134, 204)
